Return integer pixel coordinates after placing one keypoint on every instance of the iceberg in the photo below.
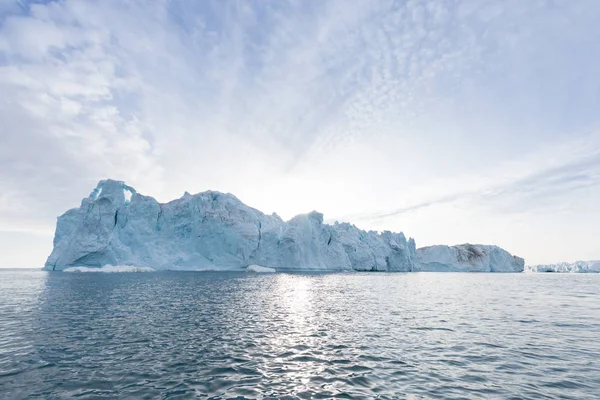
(115, 225)
(213, 231)
(467, 258)
(260, 269)
(565, 267)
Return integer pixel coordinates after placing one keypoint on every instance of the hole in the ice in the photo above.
(127, 193)
(96, 193)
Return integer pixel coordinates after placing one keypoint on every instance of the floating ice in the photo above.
(116, 225)
(467, 258)
(259, 269)
(576, 267)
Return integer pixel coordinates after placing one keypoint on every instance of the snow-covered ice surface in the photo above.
(110, 268)
(115, 225)
(260, 269)
(576, 267)
(467, 258)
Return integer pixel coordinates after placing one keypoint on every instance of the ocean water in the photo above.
(357, 335)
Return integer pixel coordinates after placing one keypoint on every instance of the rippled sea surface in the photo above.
(360, 335)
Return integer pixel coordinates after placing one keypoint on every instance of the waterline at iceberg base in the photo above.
(115, 225)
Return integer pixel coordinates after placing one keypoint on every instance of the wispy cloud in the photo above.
(535, 184)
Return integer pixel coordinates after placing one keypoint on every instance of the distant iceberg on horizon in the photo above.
(117, 226)
(565, 267)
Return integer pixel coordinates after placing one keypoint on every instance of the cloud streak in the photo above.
(543, 188)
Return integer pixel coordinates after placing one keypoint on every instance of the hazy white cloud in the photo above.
(452, 121)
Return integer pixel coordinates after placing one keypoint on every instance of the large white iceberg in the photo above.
(213, 230)
(576, 267)
(115, 225)
(467, 258)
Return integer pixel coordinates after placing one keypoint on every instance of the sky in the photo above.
(453, 121)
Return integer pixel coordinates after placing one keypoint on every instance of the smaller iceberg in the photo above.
(467, 258)
(260, 269)
(110, 268)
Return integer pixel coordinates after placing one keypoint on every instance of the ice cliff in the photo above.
(115, 225)
(576, 267)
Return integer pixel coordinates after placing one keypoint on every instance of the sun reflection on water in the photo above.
(294, 292)
(300, 333)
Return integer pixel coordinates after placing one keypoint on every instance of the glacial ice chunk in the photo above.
(260, 269)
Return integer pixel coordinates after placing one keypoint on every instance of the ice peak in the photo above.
(317, 216)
